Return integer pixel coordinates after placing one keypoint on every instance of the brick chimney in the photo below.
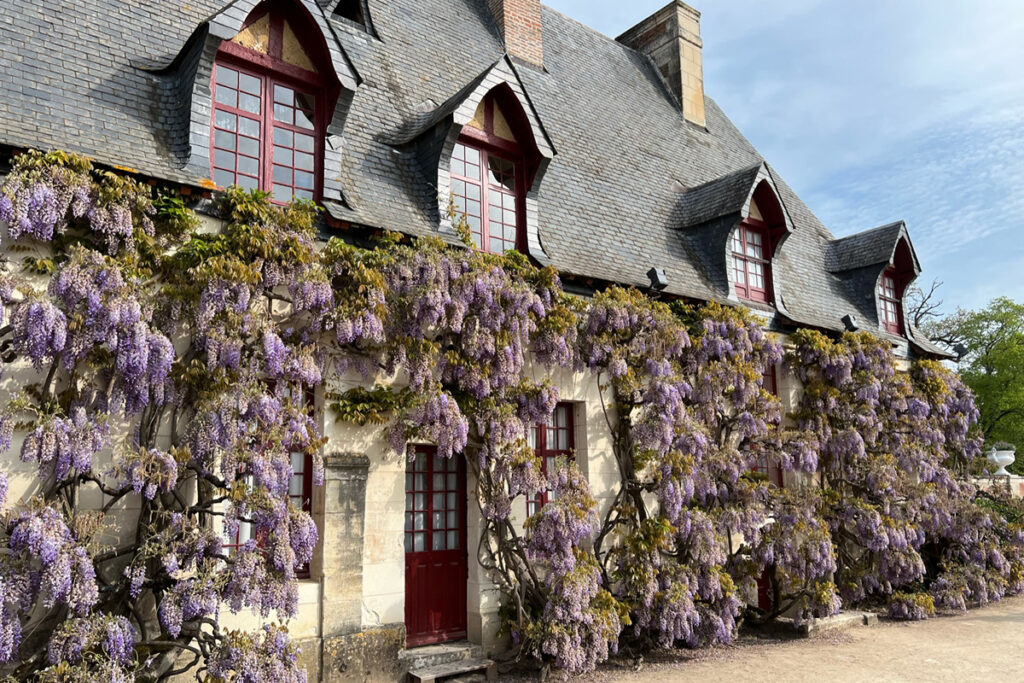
(519, 23)
(671, 37)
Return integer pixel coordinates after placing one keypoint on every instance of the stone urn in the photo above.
(1001, 458)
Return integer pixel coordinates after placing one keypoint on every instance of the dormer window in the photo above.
(890, 302)
(753, 243)
(488, 176)
(270, 105)
(892, 282)
(751, 261)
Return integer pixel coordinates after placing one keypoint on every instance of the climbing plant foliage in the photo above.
(155, 376)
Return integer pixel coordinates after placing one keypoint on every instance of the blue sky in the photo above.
(878, 110)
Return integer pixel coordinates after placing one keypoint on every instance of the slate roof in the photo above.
(866, 248)
(719, 197)
(628, 173)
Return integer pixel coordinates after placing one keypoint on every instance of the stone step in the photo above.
(463, 669)
(443, 653)
(838, 622)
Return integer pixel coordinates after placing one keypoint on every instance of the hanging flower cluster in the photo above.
(48, 193)
(906, 528)
(692, 419)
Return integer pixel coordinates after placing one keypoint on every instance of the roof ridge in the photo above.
(877, 228)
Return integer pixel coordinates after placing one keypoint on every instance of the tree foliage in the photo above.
(992, 341)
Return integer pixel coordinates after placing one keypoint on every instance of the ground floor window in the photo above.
(551, 441)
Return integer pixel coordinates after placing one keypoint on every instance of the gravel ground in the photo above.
(985, 644)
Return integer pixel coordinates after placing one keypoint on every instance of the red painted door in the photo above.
(435, 548)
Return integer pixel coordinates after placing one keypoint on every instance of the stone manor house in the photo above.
(602, 157)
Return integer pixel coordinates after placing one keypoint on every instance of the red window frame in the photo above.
(889, 302)
(487, 202)
(275, 76)
(556, 439)
(770, 470)
(300, 490)
(751, 249)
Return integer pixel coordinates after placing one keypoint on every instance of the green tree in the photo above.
(990, 346)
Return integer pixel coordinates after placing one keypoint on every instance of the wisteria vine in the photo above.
(166, 373)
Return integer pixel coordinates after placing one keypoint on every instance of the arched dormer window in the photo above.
(753, 245)
(889, 302)
(273, 88)
(490, 172)
(891, 285)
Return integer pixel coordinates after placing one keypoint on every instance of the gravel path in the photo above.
(985, 644)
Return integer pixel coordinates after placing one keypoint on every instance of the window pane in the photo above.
(419, 521)
(283, 137)
(438, 520)
(304, 180)
(249, 127)
(438, 482)
(282, 174)
(222, 159)
(249, 84)
(304, 161)
(472, 156)
(227, 97)
(453, 482)
(304, 112)
(247, 182)
(408, 543)
(226, 120)
(438, 501)
(249, 103)
(282, 155)
(419, 543)
(753, 248)
(473, 191)
(420, 501)
(223, 139)
(283, 95)
(249, 147)
(223, 178)
(304, 143)
(452, 504)
(453, 519)
(453, 540)
(458, 167)
(226, 76)
(284, 114)
(494, 213)
(438, 543)
(248, 165)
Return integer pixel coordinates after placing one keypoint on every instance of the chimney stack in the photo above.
(671, 37)
(519, 24)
